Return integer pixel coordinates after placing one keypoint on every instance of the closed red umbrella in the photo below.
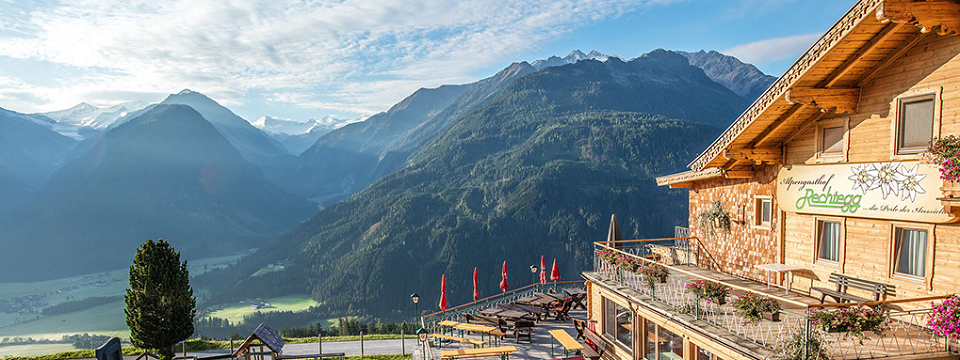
(503, 283)
(476, 283)
(555, 274)
(443, 293)
(543, 271)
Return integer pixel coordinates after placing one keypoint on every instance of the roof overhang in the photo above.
(826, 79)
(685, 179)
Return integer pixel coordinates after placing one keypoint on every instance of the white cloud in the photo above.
(770, 50)
(352, 55)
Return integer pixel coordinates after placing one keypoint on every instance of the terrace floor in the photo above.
(539, 348)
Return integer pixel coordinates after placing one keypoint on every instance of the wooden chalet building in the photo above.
(823, 176)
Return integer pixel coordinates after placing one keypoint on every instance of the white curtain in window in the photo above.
(830, 240)
(911, 252)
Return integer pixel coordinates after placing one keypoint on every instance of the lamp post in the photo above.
(416, 311)
(533, 270)
(422, 336)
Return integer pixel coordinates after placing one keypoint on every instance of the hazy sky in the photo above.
(307, 59)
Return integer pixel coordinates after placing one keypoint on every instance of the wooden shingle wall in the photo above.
(746, 245)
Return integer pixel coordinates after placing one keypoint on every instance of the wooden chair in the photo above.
(524, 328)
(563, 309)
(580, 326)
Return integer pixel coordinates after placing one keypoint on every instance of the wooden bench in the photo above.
(502, 352)
(587, 351)
(475, 343)
(844, 282)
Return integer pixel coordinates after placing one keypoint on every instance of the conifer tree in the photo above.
(160, 302)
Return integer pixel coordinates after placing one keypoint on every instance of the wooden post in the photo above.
(184, 348)
(403, 346)
(320, 343)
(361, 344)
(231, 346)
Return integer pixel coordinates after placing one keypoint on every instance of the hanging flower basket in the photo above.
(713, 292)
(854, 320)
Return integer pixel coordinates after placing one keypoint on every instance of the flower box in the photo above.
(775, 317)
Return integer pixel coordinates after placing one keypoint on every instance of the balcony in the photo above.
(906, 336)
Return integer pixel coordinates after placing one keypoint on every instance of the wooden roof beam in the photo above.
(865, 50)
(841, 100)
(891, 57)
(940, 15)
(777, 125)
(757, 155)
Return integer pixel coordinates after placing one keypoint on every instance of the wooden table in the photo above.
(482, 329)
(779, 268)
(578, 295)
(503, 351)
(505, 313)
(568, 342)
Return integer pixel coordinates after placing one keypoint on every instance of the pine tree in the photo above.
(160, 302)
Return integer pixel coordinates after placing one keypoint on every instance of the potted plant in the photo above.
(654, 273)
(715, 218)
(752, 307)
(945, 320)
(853, 320)
(709, 290)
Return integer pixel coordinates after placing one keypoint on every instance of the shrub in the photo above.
(792, 347)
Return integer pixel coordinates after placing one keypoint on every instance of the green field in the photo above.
(107, 319)
(33, 350)
(236, 312)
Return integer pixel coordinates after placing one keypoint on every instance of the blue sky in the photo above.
(346, 58)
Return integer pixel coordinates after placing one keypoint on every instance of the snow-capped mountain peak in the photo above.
(571, 58)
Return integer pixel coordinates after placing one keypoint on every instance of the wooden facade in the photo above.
(854, 78)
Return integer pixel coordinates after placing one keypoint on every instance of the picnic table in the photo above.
(578, 295)
(505, 313)
(482, 329)
(529, 309)
(568, 342)
(503, 352)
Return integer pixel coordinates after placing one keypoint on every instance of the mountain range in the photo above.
(530, 161)
(534, 169)
(297, 136)
(168, 173)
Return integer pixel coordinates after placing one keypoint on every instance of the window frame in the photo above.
(612, 338)
(758, 222)
(843, 122)
(928, 257)
(896, 111)
(841, 257)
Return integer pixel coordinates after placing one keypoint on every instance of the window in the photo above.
(910, 252)
(618, 322)
(831, 140)
(763, 206)
(828, 240)
(662, 344)
(915, 120)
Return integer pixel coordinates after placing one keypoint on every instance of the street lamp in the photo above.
(416, 311)
(533, 270)
(422, 335)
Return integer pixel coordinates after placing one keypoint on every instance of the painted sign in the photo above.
(905, 191)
